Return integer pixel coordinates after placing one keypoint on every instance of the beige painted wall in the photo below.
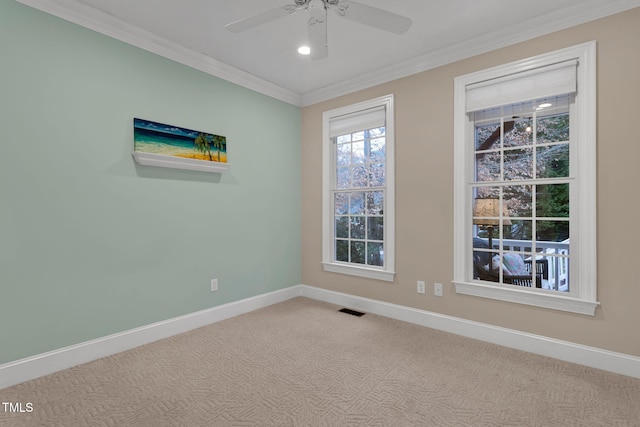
(424, 184)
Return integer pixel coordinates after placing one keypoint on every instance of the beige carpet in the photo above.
(302, 363)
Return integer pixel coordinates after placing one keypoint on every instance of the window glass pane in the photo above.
(518, 164)
(484, 267)
(552, 127)
(377, 132)
(356, 205)
(481, 256)
(375, 254)
(358, 136)
(342, 250)
(519, 230)
(377, 150)
(376, 175)
(552, 231)
(358, 227)
(343, 177)
(375, 228)
(487, 135)
(357, 153)
(518, 200)
(517, 132)
(375, 203)
(487, 193)
(360, 179)
(488, 166)
(343, 138)
(342, 227)
(552, 200)
(557, 270)
(486, 232)
(480, 243)
(499, 268)
(489, 211)
(513, 244)
(358, 252)
(341, 203)
(343, 156)
(552, 161)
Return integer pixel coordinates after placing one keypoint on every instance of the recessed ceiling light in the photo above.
(304, 50)
(545, 105)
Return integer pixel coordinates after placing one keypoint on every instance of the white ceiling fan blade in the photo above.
(374, 17)
(317, 25)
(254, 21)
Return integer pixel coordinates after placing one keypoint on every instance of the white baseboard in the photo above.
(593, 357)
(47, 363)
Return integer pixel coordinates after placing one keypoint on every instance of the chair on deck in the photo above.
(516, 271)
(483, 273)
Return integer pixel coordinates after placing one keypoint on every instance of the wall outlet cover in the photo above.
(437, 289)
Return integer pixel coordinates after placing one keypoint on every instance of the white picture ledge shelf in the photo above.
(161, 160)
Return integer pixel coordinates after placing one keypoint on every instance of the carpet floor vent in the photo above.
(351, 312)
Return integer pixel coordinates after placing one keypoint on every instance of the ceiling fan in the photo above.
(317, 23)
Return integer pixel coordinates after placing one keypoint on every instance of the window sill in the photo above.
(369, 273)
(520, 296)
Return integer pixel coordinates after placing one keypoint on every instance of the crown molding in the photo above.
(96, 20)
(101, 22)
(576, 15)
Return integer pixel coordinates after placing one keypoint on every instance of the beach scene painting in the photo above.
(158, 138)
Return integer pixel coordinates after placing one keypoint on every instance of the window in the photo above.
(358, 190)
(525, 223)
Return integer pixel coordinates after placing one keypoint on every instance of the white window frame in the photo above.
(386, 273)
(583, 203)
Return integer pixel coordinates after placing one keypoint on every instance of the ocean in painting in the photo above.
(158, 138)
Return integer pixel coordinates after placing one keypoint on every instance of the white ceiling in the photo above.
(265, 58)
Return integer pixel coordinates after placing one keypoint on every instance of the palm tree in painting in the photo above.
(201, 143)
(219, 144)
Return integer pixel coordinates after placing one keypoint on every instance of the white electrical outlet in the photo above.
(214, 285)
(437, 289)
(421, 287)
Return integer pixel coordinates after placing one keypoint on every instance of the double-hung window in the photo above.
(525, 182)
(358, 189)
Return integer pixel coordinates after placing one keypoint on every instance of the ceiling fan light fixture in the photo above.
(304, 50)
(317, 22)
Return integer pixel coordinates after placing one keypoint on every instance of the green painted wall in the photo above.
(91, 243)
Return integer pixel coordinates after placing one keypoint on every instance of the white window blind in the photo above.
(349, 123)
(551, 80)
